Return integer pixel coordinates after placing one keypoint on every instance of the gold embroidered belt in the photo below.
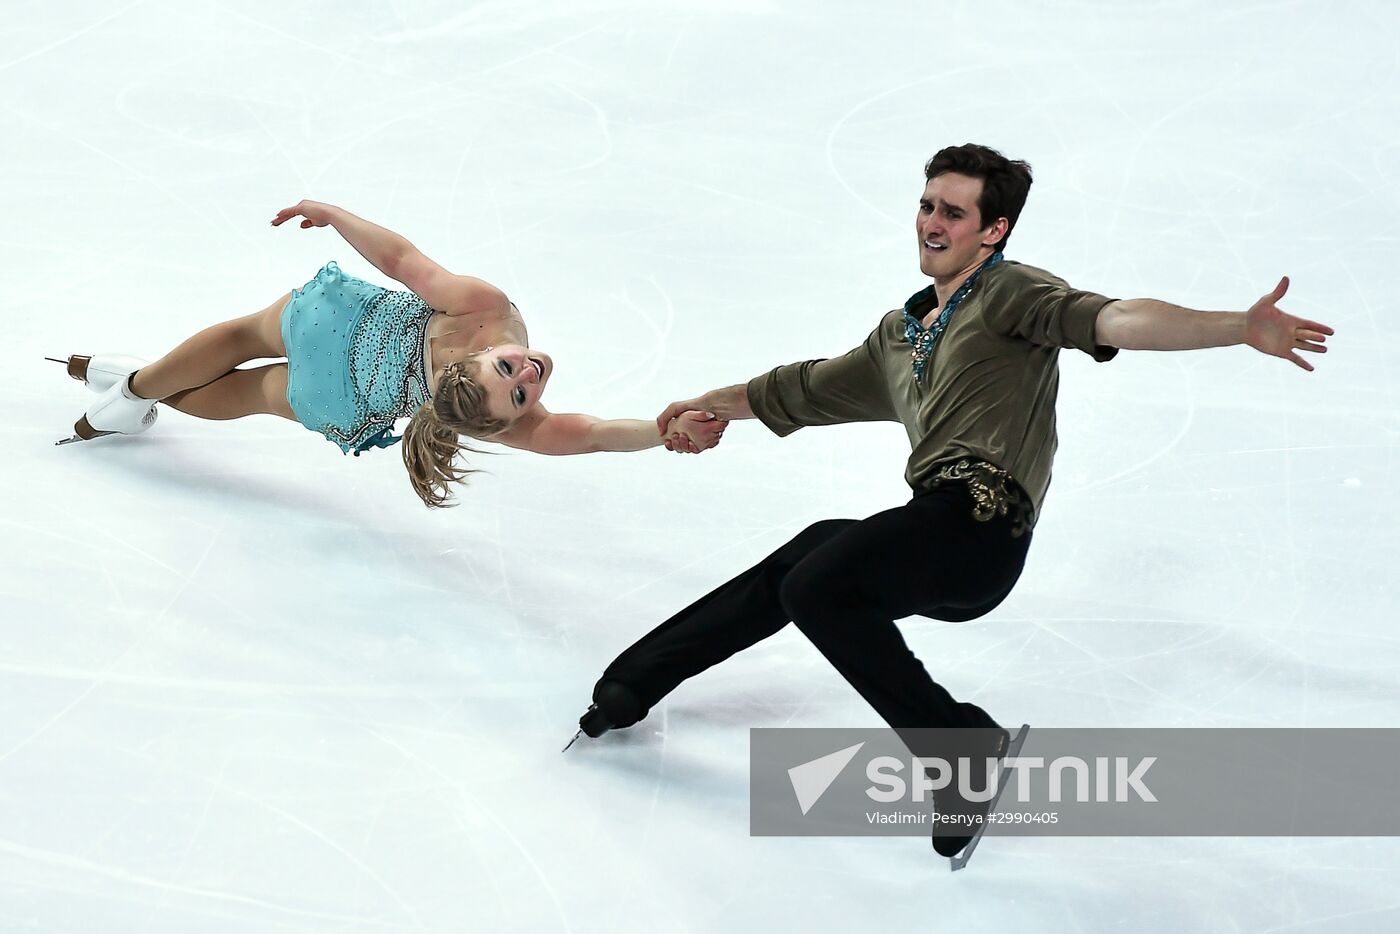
(994, 492)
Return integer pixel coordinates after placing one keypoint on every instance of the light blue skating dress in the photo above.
(355, 358)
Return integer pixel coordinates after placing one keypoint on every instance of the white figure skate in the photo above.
(100, 371)
(118, 411)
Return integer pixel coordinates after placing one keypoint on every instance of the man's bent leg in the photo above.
(929, 557)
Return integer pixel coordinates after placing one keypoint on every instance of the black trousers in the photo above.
(843, 582)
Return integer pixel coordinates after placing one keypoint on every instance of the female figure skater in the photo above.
(452, 355)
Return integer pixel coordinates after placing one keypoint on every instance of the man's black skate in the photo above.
(951, 839)
(614, 706)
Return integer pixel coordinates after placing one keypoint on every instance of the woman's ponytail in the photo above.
(431, 443)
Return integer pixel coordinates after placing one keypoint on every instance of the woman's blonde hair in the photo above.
(431, 443)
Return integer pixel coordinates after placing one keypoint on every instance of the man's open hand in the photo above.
(1271, 330)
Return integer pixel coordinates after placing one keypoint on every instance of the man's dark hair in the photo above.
(1005, 182)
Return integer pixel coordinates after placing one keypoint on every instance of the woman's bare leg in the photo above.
(257, 391)
(213, 352)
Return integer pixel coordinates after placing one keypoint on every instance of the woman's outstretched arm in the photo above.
(560, 434)
(393, 255)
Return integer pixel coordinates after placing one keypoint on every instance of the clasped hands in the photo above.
(691, 431)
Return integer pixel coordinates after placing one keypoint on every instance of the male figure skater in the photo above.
(969, 366)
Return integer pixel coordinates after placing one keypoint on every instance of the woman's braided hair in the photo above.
(431, 443)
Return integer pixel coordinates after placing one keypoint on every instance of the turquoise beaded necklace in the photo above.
(922, 339)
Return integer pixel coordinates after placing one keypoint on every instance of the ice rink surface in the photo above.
(250, 684)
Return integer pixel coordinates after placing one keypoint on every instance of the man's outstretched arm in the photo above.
(726, 405)
(848, 388)
(1148, 324)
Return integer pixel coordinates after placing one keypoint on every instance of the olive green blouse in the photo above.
(988, 389)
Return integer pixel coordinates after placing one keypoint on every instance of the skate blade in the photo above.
(83, 431)
(1012, 751)
(76, 364)
(100, 434)
(570, 743)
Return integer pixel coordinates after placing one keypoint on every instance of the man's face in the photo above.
(952, 238)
